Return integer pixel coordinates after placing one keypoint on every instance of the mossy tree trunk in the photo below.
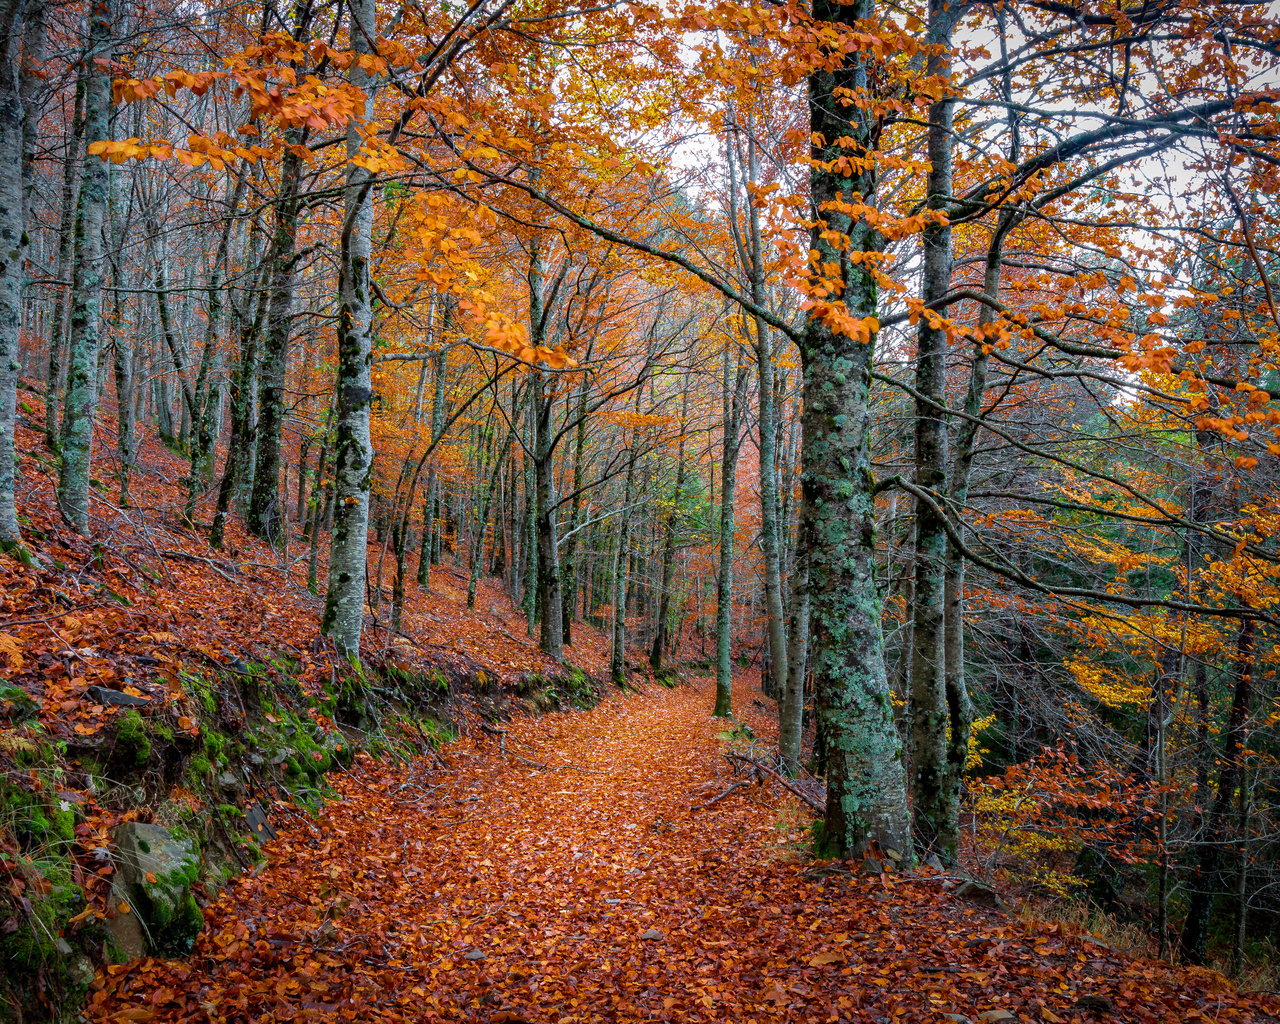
(81, 402)
(353, 451)
(866, 790)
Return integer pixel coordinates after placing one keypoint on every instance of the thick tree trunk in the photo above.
(81, 401)
(866, 791)
(353, 463)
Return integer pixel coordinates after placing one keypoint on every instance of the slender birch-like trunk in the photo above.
(12, 240)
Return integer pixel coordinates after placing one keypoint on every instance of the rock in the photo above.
(475, 954)
(958, 1018)
(1094, 1002)
(114, 697)
(933, 862)
(227, 780)
(256, 818)
(871, 866)
(981, 895)
(64, 947)
(893, 855)
(652, 935)
(154, 872)
(994, 1015)
(257, 760)
(16, 705)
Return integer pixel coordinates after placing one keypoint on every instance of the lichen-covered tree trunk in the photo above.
(265, 517)
(618, 657)
(732, 405)
(550, 597)
(935, 790)
(353, 451)
(240, 447)
(866, 790)
(661, 627)
(208, 395)
(791, 713)
(81, 400)
(569, 594)
(12, 231)
(66, 239)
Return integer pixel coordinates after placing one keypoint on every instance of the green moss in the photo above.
(15, 705)
(64, 825)
(132, 745)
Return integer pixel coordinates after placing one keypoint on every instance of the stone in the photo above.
(256, 818)
(893, 855)
(994, 1015)
(475, 954)
(958, 1018)
(871, 866)
(981, 895)
(227, 780)
(932, 861)
(652, 935)
(257, 760)
(114, 697)
(154, 872)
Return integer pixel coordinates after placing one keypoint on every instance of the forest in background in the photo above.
(917, 357)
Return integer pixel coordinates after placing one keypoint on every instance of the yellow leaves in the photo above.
(11, 648)
(822, 959)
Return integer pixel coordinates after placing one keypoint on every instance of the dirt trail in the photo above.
(570, 881)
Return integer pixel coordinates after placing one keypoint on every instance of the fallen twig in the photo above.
(715, 800)
(800, 794)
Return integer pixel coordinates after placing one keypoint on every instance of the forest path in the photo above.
(569, 880)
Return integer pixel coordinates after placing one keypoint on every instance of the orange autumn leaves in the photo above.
(569, 880)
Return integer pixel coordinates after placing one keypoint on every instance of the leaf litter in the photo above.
(574, 882)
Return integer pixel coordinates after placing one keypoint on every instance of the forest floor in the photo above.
(564, 873)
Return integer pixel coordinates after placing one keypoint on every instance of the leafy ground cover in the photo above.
(563, 873)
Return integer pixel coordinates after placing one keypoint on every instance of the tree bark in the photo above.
(81, 401)
(353, 456)
(66, 241)
(866, 792)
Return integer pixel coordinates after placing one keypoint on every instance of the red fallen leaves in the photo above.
(588, 891)
(152, 601)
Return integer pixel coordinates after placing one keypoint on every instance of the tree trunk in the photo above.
(81, 401)
(208, 397)
(1208, 849)
(353, 463)
(660, 632)
(732, 404)
(266, 514)
(66, 239)
(866, 792)
(12, 235)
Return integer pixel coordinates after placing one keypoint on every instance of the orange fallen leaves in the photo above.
(589, 891)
